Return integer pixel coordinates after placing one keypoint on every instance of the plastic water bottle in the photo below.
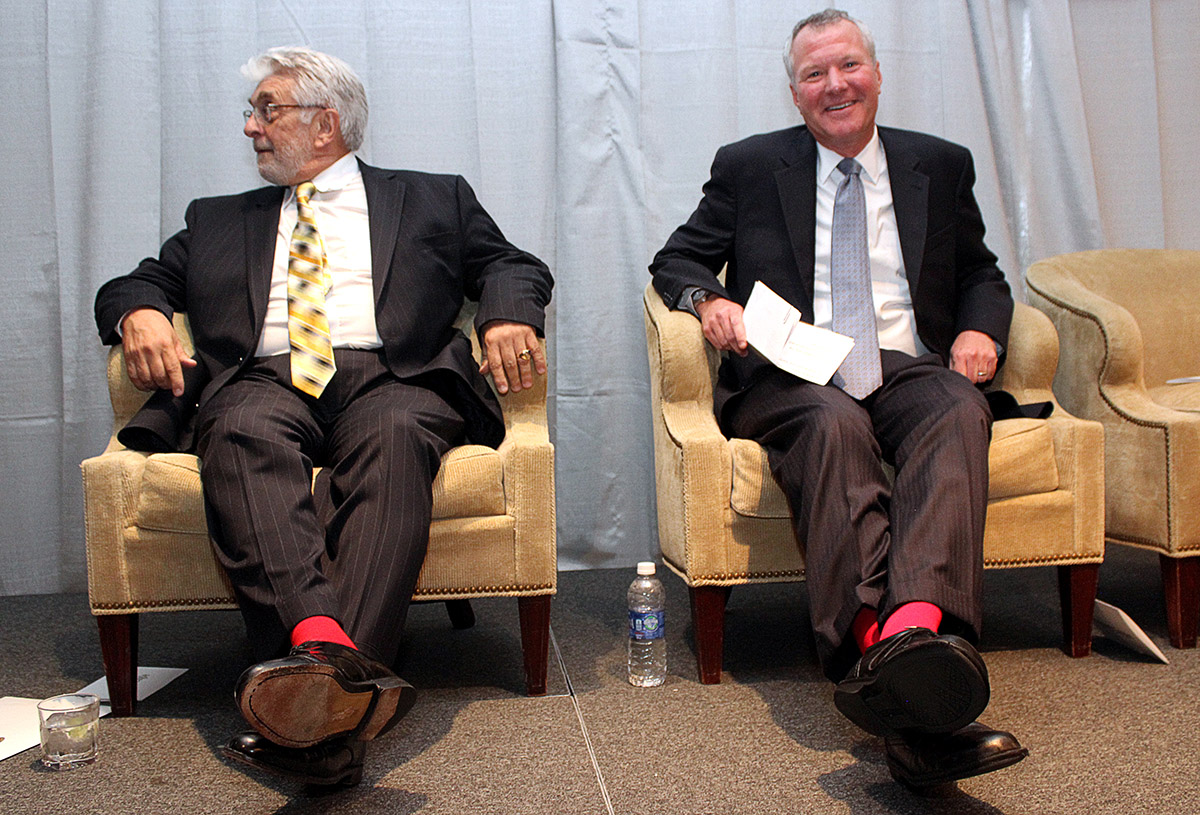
(647, 647)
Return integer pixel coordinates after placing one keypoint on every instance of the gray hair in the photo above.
(320, 80)
(821, 19)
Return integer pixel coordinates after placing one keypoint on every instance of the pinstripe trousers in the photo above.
(870, 541)
(349, 547)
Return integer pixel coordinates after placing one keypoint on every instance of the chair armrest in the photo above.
(692, 458)
(1082, 316)
(1028, 372)
(111, 483)
(1102, 375)
(682, 367)
(528, 461)
(126, 399)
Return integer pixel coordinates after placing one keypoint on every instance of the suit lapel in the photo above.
(797, 184)
(385, 202)
(910, 201)
(262, 224)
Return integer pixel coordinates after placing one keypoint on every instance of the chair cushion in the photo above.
(1021, 459)
(755, 491)
(1177, 397)
(469, 484)
(1020, 462)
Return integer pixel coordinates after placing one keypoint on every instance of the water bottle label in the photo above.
(646, 625)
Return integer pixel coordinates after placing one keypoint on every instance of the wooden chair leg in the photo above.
(1077, 594)
(535, 641)
(708, 623)
(461, 614)
(119, 646)
(1181, 590)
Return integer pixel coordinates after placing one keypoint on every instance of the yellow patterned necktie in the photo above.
(308, 283)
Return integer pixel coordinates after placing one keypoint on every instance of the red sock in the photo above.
(918, 613)
(321, 629)
(865, 628)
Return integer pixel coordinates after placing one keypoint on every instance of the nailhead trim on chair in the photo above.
(225, 603)
(747, 576)
(1142, 543)
(540, 588)
(1026, 561)
(215, 602)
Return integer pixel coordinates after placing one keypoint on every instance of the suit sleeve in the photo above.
(508, 283)
(984, 300)
(697, 251)
(158, 283)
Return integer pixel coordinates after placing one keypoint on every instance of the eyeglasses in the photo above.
(269, 112)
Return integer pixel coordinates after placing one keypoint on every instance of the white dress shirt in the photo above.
(889, 283)
(340, 209)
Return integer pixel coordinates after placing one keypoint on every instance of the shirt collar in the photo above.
(870, 157)
(337, 176)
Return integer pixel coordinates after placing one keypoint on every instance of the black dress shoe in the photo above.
(926, 761)
(337, 762)
(915, 682)
(321, 691)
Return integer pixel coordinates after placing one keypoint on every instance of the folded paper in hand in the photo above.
(774, 329)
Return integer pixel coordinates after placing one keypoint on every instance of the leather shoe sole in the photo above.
(335, 763)
(927, 761)
(917, 682)
(299, 705)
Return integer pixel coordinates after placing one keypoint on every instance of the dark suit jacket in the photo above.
(758, 219)
(432, 245)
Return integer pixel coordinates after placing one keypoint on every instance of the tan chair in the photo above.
(1129, 320)
(723, 521)
(493, 533)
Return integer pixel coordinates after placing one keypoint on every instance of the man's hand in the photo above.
(974, 356)
(512, 354)
(721, 321)
(154, 356)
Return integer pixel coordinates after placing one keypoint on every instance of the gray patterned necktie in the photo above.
(850, 279)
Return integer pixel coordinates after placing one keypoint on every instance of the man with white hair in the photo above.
(875, 233)
(322, 310)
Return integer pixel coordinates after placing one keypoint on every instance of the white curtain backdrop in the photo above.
(587, 128)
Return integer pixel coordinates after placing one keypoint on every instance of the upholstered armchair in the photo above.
(493, 533)
(1129, 321)
(723, 521)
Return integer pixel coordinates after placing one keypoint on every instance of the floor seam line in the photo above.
(587, 739)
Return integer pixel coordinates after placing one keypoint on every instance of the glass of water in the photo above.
(70, 727)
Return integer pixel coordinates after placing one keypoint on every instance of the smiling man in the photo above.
(323, 313)
(875, 233)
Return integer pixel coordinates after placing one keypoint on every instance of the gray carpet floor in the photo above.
(1112, 733)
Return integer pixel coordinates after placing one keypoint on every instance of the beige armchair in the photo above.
(493, 534)
(723, 521)
(1129, 321)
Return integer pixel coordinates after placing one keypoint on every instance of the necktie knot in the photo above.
(305, 191)
(849, 167)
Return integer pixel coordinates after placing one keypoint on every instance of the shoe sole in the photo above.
(351, 778)
(997, 762)
(299, 706)
(932, 688)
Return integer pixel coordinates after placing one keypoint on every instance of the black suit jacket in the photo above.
(432, 245)
(758, 220)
